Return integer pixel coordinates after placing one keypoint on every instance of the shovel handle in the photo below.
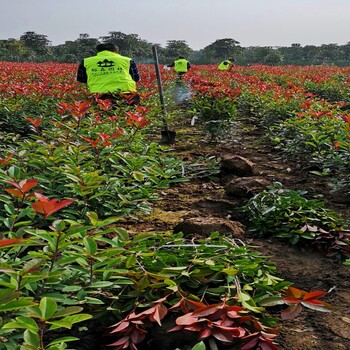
(159, 80)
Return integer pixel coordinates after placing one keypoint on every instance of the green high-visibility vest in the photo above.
(180, 65)
(224, 65)
(109, 72)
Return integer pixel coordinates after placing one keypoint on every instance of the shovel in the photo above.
(167, 136)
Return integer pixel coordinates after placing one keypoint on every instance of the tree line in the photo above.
(35, 47)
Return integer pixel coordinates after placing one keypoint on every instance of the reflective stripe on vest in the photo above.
(224, 65)
(180, 65)
(109, 72)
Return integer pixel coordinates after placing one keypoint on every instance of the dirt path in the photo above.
(307, 269)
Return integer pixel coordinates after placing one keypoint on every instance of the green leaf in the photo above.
(35, 311)
(23, 322)
(93, 217)
(68, 321)
(138, 176)
(60, 324)
(6, 295)
(59, 225)
(252, 307)
(122, 234)
(31, 339)
(71, 288)
(63, 340)
(70, 310)
(214, 235)
(32, 265)
(29, 347)
(230, 272)
(243, 296)
(316, 307)
(17, 304)
(101, 284)
(93, 301)
(9, 208)
(14, 171)
(271, 301)
(131, 261)
(47, 307)
(199, 346)
(90, 245)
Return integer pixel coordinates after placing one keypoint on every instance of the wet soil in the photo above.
(305, 267)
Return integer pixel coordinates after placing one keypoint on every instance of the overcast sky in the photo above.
(198, 22)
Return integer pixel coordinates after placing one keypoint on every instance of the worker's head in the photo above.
(231, 58)
(107, 47)
(181, 57)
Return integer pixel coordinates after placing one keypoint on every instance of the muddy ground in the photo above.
(305, 267)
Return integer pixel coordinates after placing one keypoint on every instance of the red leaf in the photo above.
(244, 319)
(295, 292)
(93, 143)
(5, 161)
(24, 186)
(233, 314)
(225, 337)
(313, 302)
(234, 308)
(205, 334)
(253, 340)
(291, 312)
(35, 122)
(138, 335)
(122, 326)
(235, 331)
(122, 341)
(267, 345)
(189, 305)
(291, 300)
(194, 304)
(208, 310)
(177, 328)
(11, 241)
(186, 320)
(160, 312)
(270, 333)
(41, 197)
(15, 192)
(27, 185)
(105, 105)
(149, 311)
(314, 295)
(195, 328)
(49, 207)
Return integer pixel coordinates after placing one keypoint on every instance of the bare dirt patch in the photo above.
(306, 267)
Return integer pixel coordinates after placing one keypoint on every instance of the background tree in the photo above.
(37, 44)
(312, 54)
(129, 44)
(13, 50)
(221, 49)
(292, 54)
(174, 49)
(331, 53)
(86, 45)
(37, 48)
(274, 57)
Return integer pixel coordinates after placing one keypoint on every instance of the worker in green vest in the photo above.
(227, 64)
(181, 66)
(110, 75)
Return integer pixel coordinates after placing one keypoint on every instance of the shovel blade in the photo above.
(167, 137)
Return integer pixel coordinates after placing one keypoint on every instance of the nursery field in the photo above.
(236, 235)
